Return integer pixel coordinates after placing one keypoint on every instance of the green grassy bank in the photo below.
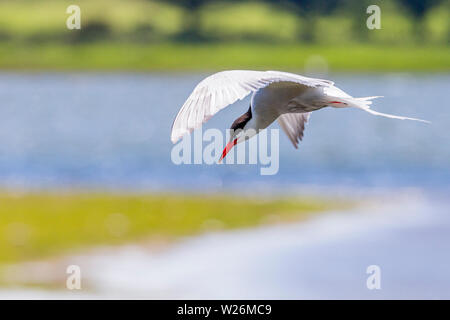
(107, 56)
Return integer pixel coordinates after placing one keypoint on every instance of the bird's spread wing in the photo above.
(224, 88)
(293, 124)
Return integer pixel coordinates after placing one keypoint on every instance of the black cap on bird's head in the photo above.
(236, 127)
(240, 122)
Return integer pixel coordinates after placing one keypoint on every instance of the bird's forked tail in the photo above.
(364, 104)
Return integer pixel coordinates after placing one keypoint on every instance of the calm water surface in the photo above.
(112, 131)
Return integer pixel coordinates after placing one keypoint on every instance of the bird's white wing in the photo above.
(293, 124)
(224, 88)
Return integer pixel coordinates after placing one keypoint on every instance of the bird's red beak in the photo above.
(228, 147)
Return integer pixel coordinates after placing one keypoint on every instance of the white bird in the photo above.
(286, 97)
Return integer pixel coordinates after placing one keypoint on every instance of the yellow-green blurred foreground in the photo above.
(36, 225)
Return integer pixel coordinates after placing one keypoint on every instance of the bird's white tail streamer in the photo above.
(364, 104)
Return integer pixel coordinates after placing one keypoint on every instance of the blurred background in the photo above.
(86, 176)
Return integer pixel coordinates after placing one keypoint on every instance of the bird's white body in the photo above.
(279, 98)
(276, 95)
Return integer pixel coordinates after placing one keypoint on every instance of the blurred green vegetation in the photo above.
(150, 34)
(36, 225)
(188, 57)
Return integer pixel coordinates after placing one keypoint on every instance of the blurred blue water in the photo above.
(112, 131)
